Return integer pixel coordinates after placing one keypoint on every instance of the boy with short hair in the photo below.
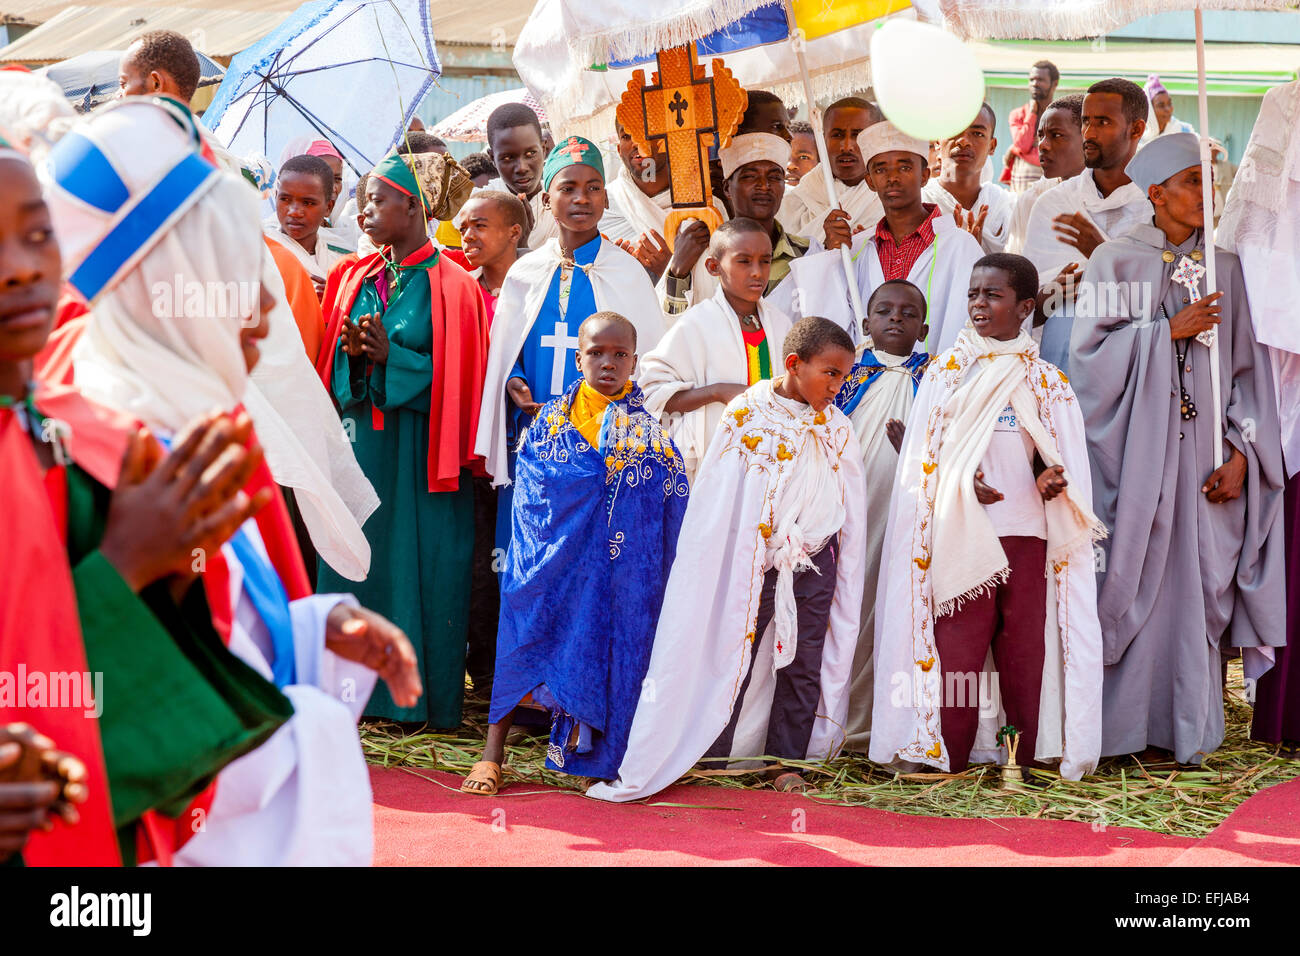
(913, 241)
(515, 146)
(982, 209)
(545, 297)
(803, 152)
(877, 397)
(493, 225)
(719, 348)
(807, 210)
(992, 500)
(303, 194)
(760, 616)
(600, 490)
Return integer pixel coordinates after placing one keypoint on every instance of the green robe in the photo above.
(177, 705)
(421, 542)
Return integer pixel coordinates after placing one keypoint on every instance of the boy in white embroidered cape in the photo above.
(877, 396)
(992, 501)
(719, 348)
(773, 534)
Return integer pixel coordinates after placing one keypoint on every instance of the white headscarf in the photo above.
(142, 355)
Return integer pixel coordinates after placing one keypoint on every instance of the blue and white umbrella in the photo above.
(349, 71)
(92, 78)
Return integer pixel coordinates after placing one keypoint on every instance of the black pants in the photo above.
(484, 589)
(798, 684)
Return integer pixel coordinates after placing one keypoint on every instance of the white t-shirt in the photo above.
(1008, 467)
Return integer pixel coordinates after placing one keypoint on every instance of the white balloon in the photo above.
(927, 82)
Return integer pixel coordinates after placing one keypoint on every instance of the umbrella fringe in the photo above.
(623, 44)
(981, 19)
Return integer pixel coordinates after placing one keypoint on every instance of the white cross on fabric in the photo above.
(559, 343)
(1188, 274)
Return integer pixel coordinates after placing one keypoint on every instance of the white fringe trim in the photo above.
(953, 605)
(621, 43)
(1021, 20)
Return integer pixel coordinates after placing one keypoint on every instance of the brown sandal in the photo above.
(483, 772)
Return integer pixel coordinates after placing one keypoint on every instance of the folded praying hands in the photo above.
(366, 337)
(169, 509)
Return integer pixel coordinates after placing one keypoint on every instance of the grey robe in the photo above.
(1178, 571)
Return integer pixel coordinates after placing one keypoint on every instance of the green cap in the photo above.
(573, 151)
(396, 171)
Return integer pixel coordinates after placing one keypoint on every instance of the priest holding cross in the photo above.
(1187, 476)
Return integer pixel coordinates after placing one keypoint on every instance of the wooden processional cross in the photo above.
(688, 111)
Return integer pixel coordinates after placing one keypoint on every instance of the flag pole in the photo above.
(1207, 200)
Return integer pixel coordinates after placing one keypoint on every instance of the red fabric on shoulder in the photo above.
(54, 362)
(40, 631)
(460, 344)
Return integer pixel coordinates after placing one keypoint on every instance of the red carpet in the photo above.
(1265, 830)
(422, 819)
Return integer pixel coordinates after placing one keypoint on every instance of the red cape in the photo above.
(489, 300)
(97, 442)
(40, 630)
(460, 325)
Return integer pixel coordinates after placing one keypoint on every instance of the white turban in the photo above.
(752, 148)
(162, 340)
(885, 137)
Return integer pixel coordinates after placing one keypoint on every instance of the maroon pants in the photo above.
(1010, 618)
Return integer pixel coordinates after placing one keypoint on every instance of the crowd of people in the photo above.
(281, 454)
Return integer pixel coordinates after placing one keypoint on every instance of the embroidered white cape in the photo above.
(706, 631)
(909, 674)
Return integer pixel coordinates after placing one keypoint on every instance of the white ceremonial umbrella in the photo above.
(469, 123)
(1073, 19)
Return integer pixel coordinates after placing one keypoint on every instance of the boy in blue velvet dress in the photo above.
(600, 491)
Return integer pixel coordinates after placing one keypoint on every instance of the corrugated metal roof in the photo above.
(221, 28)
(78, 29)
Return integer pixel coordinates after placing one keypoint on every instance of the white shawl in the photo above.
(167, 369)
(1113, 215)
(328, 248)
(805, 206)
(890, 396)
(746, 488)
(997, 222)
(1261, 224)
(703, 347)
(1024, 205)
(620, 285)
(909, 674)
